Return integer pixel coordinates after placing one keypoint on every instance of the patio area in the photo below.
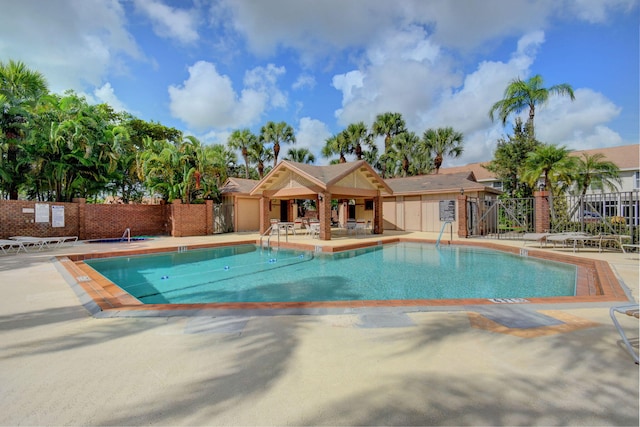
(375, 366)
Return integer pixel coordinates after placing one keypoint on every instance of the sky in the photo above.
(208, 67)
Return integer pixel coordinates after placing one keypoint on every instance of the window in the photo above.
(636, 180)
(368, 205)
(497, 185)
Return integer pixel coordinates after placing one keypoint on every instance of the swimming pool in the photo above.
(401, 271)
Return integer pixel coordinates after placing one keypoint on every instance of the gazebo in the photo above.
(344, 181)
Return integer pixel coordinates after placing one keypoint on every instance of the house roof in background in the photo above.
(440, 183)
(626, 157)
(239, 185)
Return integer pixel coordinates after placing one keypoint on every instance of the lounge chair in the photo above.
(535, 237)
(569, 239)
(7, 245)
(632, 310)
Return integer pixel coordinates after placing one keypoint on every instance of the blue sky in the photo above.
(209, 67)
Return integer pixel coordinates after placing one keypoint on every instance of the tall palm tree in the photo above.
(388, 125)
(336, 144)
(442, 142)
(594, 169)
(521, 94)
(550, 163)
(358, 135)
(242, 139)
(407, 154)
(301, 155)
(20, 89)
(259, 155)
(277, 133)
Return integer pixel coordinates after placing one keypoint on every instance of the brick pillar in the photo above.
(542, 211)
(378, 222)
(176, 218)
(324, 215)
(82, 217)
(265, 203)
(462, 216)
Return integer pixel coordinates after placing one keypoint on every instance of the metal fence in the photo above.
(222, 218)
(500, 218)
(604, 213)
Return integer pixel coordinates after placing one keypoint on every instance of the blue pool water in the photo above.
(247, 273)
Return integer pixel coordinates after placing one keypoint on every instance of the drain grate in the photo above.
(508, 300)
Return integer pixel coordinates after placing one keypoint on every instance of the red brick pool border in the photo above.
(596, 282)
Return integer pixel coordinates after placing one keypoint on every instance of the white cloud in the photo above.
(577, 124)
(597, 11)
(73, 43)
(304, 81)
(312, 134)
(106, 94)
(169, 22)
(207, 99)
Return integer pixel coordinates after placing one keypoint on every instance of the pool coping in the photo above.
(595, 283)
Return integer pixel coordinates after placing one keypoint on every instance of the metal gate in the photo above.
(500, 218)
(222, 218)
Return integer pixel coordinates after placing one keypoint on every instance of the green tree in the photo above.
(550, 163)
(357, 136)
(388, 125)
(509, 158)
(336, 145)
(520, 95)
(595, 170)
(20, 90)
(242, 139)
(276, 134)
(442, 142)
(406, 155)
(259, 155)
(301, 155)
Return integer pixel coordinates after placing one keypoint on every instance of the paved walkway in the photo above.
(60, 366)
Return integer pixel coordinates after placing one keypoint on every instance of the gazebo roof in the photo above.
(289, 179)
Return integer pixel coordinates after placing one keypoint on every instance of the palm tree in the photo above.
(301, 155)
(357, 135)
(406, 153)
(20, 89)
(442, 142)
(550, 163)
(259, 155)
(277, 133)
(521, 94)
(242, 140)
(388, 125)
(336, 144)
(593, 169)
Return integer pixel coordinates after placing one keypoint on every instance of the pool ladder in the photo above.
(268, 235)
(442, 231)
(127, 234)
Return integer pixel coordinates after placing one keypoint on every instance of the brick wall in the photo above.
(89, 221)
(17, 218)
(106, 221)
(191, 220)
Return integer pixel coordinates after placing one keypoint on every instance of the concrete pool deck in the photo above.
(380, 366)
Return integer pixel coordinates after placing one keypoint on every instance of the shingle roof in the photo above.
(440, 183)
(626, 157)
(239, 185)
